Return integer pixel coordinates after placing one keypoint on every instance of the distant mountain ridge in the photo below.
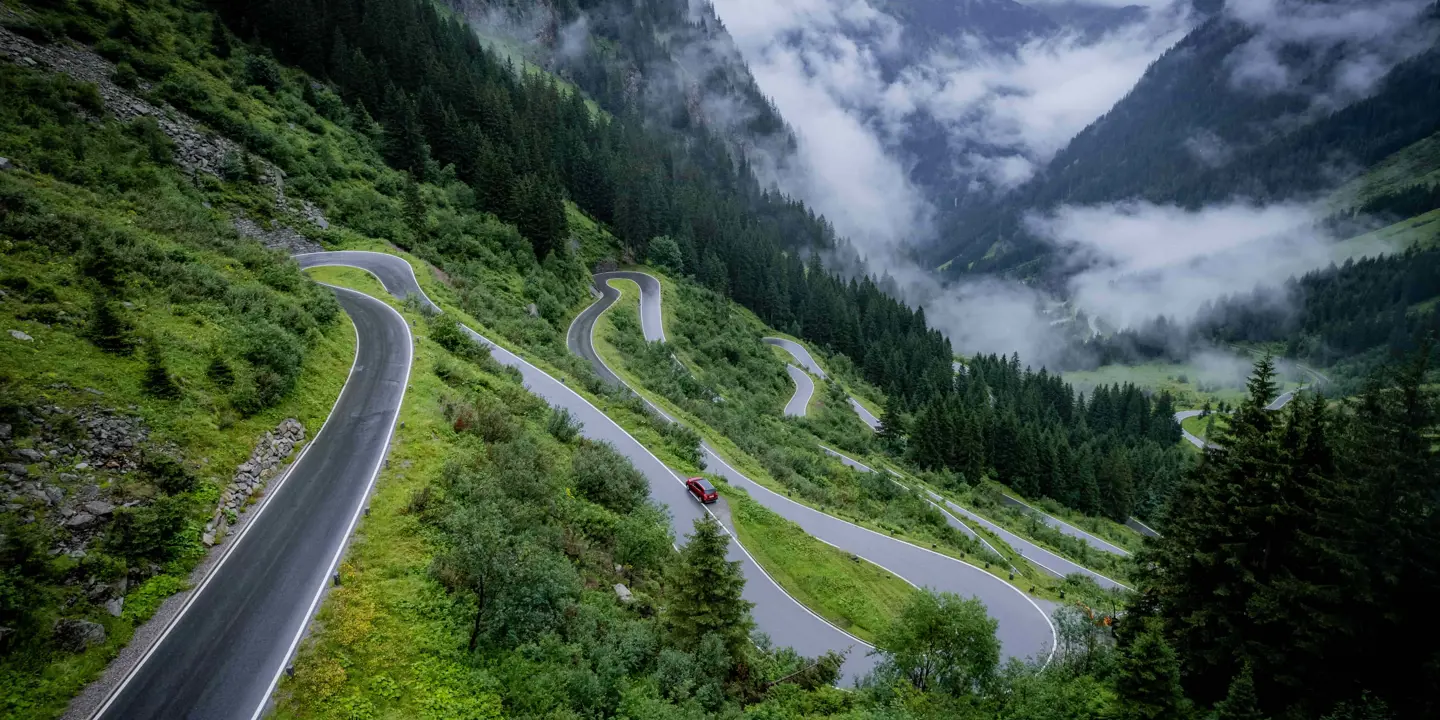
(1186, 136)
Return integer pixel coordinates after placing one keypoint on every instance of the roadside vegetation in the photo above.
(147, 348)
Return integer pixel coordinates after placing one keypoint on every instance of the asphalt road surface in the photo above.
(1042, 558)
(1068, 529)
(804, 390)
(1024, 628)
(803, 357)
(223, 654)
(787, 622)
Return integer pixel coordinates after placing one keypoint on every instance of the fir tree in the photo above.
(158, 381)
(107, 328)
(705, 591)
(1240, 702)
(1148, 681)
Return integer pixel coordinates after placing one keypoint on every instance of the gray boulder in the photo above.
(78, 635)
(98, 507)
(30, 455)
(81, 520)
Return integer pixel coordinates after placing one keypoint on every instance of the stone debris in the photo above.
(266, 462)
(22, 337)
(196, 149)
(6, 165)
(280, 238)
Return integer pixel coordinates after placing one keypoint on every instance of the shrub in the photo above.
(147, 533)
(220, 372)
(168, 474)
(606, 478)
(562, 425)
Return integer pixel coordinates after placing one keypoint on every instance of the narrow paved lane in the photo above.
(799, 403)
(221, 657)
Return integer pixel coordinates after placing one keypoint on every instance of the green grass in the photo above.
(1030, 577)
(1420, 231)
(1196, 425)
(1190, 384)
(1417, 163)
(58, 367)
(855, 595)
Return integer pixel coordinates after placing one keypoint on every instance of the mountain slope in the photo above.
(1189, 135)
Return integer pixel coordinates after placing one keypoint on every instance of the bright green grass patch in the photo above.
(1030, 577)
(1420, 231)
(858, 597)
(1197, 425)
(1190, 384)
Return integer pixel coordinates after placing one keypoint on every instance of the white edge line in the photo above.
(359, 507)
(392, 258)
(1054, 637)
(271, 491)
(668, 469)
(1122, 551)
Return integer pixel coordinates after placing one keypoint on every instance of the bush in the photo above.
(168, 474)
(604, 477)
(562, 426)
(220, 372)
(148, 534)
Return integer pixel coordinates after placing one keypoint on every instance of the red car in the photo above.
(702, 490)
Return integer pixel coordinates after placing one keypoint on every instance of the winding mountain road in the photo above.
(222, 655)
(1044, 559)
(787, 622)
(806, 361)
(1024, 628)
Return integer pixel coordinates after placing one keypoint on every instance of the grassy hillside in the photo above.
(729, 361)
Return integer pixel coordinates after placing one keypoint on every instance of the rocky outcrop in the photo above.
(279, 238)
(78, 635)
(265, 463)
(197, 149)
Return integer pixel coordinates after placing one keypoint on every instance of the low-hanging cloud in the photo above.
(1137, 260)
(1335, 52)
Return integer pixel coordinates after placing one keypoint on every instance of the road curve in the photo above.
(221, 657)
(806, 361)
(804, 390)
(787, 622)
(1039, 556)
(1024, 628)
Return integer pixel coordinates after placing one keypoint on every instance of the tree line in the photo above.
(1113, 453)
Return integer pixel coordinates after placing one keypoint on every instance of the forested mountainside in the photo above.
(523, 143)
(1112, 453)
(1186, 136)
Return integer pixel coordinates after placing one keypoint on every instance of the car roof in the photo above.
(703, 483)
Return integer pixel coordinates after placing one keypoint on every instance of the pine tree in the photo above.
(1148, 681)
(107, 328)
(158, 381)
(705, 590)
(1240, 702)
